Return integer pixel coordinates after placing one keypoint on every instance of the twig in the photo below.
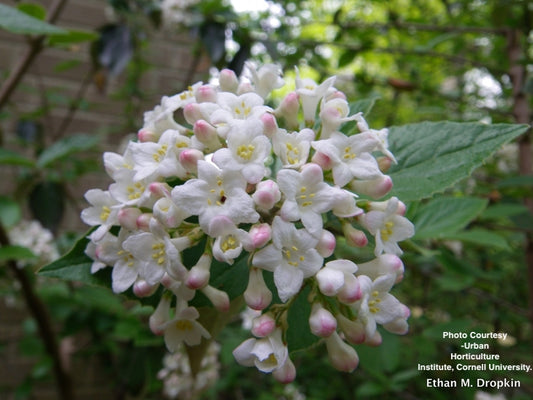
(36, 44)
(40, 313)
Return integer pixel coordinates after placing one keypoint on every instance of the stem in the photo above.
(36, 44)
(522, 114)
(40, 313)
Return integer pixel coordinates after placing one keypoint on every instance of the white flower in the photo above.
(216, 192)
(229, 241)
(184, 328)
(311, 94)
(293, 148)
(307, 196)
(267, 354)
(389, 228)
(266, 78)
(102, 213)
(247, 151)
(378, 306)
(129, 192)
(380, 135)
(333, 113)
(291, 256)
(349, 156)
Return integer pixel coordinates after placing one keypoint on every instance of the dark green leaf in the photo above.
(16, 253)
(9, 157)
(33, 10)
(66, 147)
(71, 37)
(481, 237)
(299, 337)
(504, 210)
(433, 156)
(47, 204)
(213, 35)
(446, 215)
(17, 21)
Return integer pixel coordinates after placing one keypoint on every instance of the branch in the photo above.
(40, 313)
(36, 44)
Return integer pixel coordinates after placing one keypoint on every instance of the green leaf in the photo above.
(481, 237)
(16, 21)
(76, 266)
(9, 157)
(299, 337)
(504, 210)
(71, 37)
(446, 215)
(433, 156)
(10, 212)
(14, 252)
(33, 10)
(66, 147)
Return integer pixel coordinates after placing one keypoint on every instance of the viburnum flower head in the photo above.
(253, 198)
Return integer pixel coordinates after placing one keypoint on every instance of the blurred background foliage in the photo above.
(469, 266)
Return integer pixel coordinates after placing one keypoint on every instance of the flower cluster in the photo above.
(275, 186)
(32, 235)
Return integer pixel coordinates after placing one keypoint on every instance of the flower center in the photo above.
(135, 191)
(387, 231)
(242, 110)
(126, 257)
(160, 153)
(105, 213)
(348, 153)
(305, 199)
(229, 243)
(373, 304)
(158, 252)
(292, 258)
(292, 153)
(245, 151)
(184, 325)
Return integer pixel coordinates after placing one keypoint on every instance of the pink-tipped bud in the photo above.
(218, 298)
(263, 325)
(336, 95)
(341, 355)
(206, 93)
(160, 315)
(384, 164)
(351, 291)
(354, 331)
(141, 288)
(375, 340)
(321, 321)
(192, 113)
(143, 222)
(323, 160)
(374, 188)
(198, 276)
(288, 109)
(354, 237)
(146, 135)
(189, 159)
(260, 235)
(204, 131)
(228, 81)
(326, 243)
(330, 280)
(127, 217)
(257, 295)
(286, 373)
(266, 194)
(270, 125)
(159, 189)
(399, 326)
(245, 87)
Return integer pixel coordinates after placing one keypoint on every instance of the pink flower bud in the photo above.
(145, 135)
(342, 356)
(383, 265)
(374, 188)
(206, 93)
(219, 298)
(351, 291)
(336, 95)
(189, 159)
(204, 131)
(288, 109)
(354, 331)
(159, 189)
(192, 113)
(375, 340)
(260, 235)
(286, 373)
(266, 194)
(263, 325)
(326, 243)
(399, 326)
(354, 237)
(198, 276)
(127, 217)
(143, 222)
(257, 295)
(228, 81)
(270, 125)
(330, 281)
(384, 164)
(161, 315)
(141, 288)
(321, 321)
(245, 87)
(323, 160)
